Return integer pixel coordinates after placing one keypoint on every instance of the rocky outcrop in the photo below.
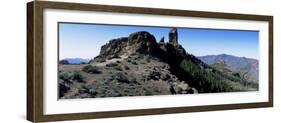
(173, 36)
(145, 43)
(113, 49)
(142, 42)
(162, 44)
(162, 41)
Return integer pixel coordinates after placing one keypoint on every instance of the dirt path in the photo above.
(110, 61)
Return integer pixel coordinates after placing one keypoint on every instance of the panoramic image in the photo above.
(98, 61)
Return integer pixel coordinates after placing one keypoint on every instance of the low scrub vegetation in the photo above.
(71, 76)
(111, 65)
(91, 69)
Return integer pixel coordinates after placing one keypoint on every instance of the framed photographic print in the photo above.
(96, 61)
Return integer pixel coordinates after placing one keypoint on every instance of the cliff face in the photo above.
(173, 36)
(140, 42)
(113, 49)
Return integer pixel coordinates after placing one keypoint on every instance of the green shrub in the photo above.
(121, 78)
(77, 76)
(91, 69)
(112, 93)
(118, 68)
(111, 65)
(65, 76)
(71, 76)
(148, 92)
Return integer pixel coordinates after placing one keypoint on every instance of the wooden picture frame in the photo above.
(35, 61)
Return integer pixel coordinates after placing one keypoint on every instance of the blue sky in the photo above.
(85, 40)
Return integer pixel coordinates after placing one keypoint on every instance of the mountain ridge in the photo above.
(138, 65)
(225, 54)
(247, 67)
(75, 60)
(172, 53)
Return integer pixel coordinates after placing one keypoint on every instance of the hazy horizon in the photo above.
(84, 40)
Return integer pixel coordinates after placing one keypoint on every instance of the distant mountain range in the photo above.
(247, 68)
(75, 60)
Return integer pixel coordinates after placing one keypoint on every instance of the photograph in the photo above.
(104, 60)
(88, 60)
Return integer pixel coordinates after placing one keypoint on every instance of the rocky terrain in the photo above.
(138, 65)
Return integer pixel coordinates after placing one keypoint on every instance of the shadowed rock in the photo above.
(142, 42)
(162, 41)
(173, 36)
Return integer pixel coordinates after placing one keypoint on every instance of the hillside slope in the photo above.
(247, 68)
